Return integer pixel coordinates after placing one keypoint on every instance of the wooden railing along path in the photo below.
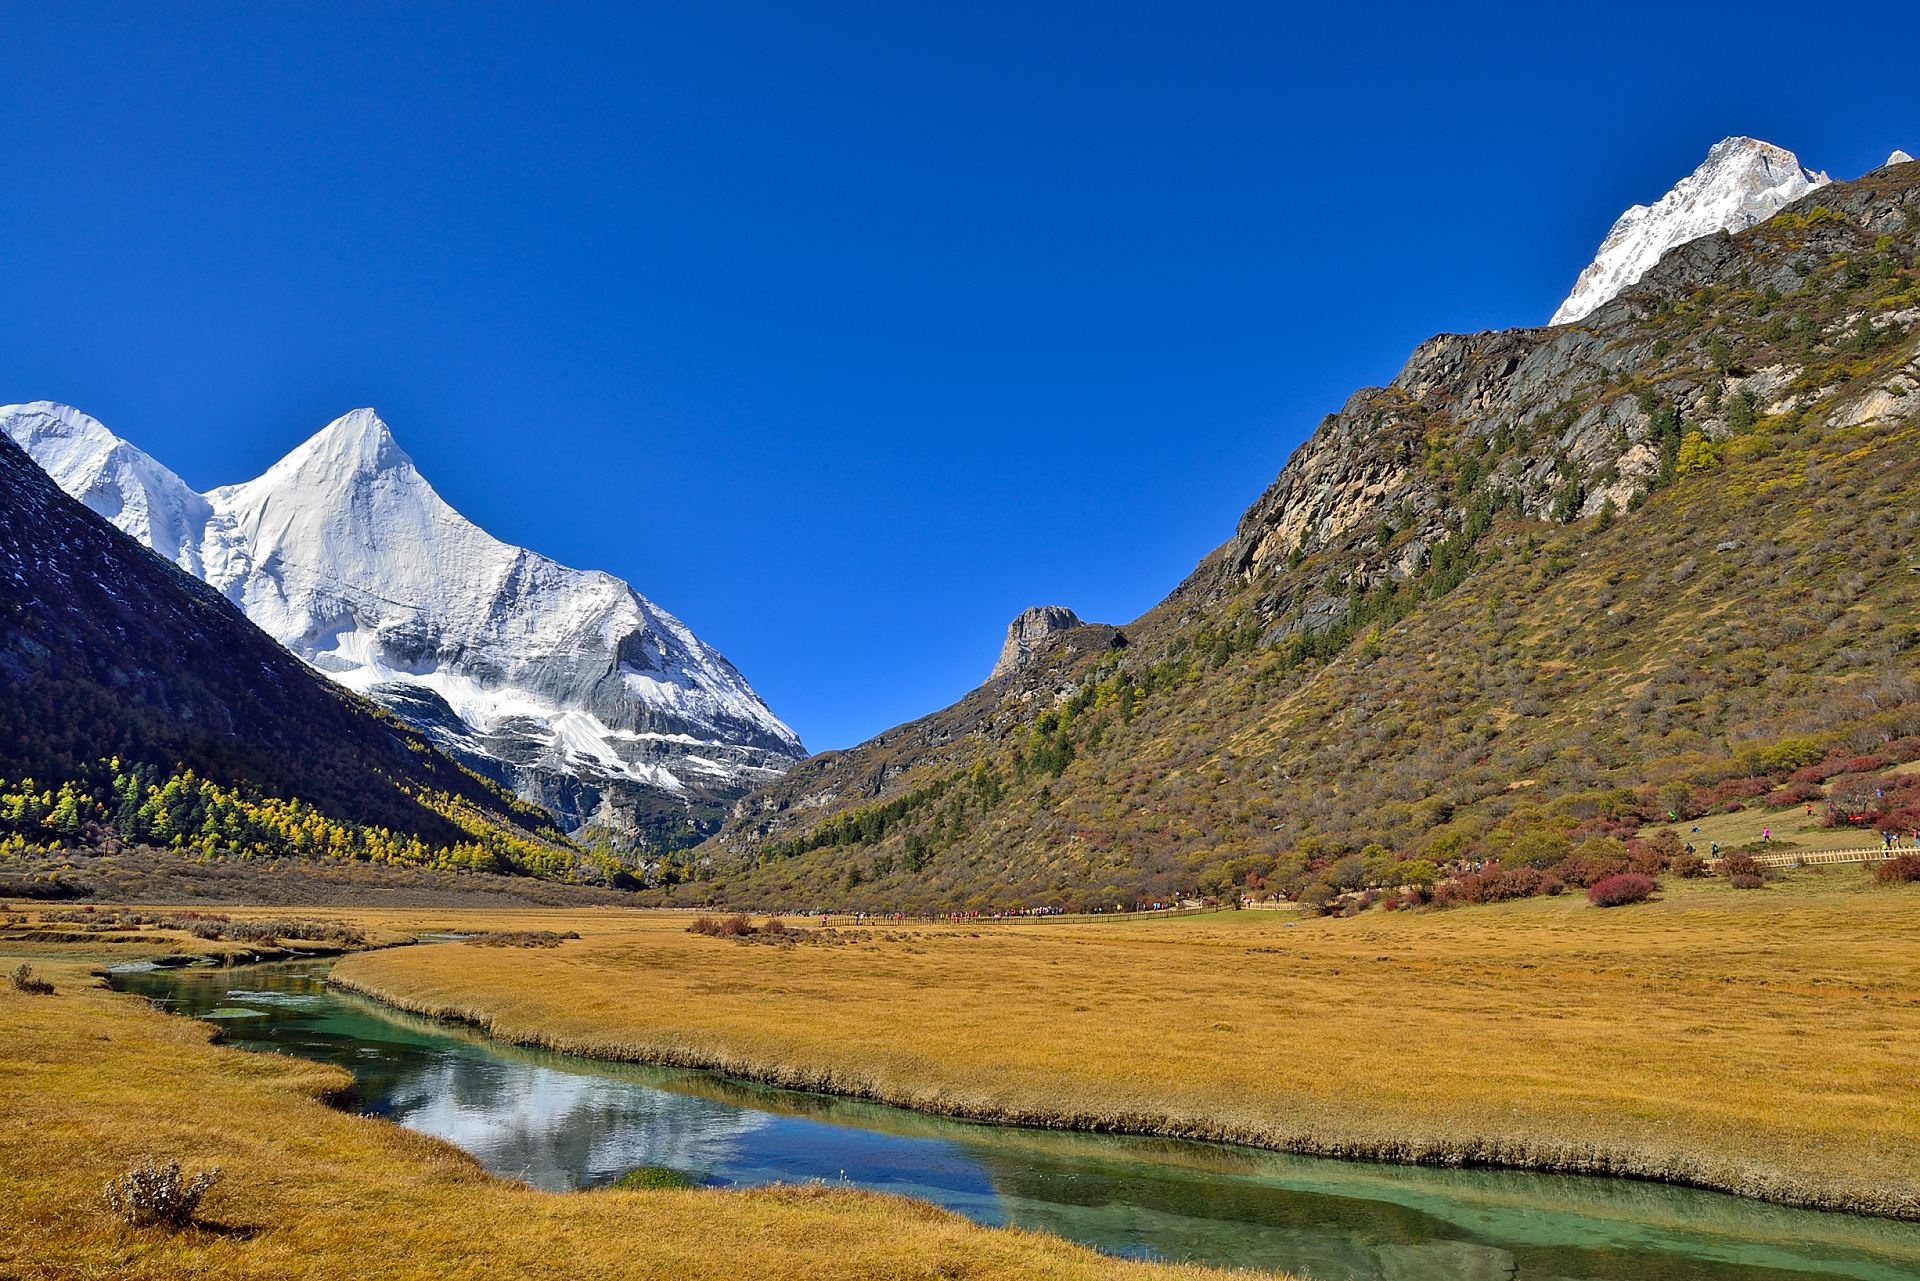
(1808, 858)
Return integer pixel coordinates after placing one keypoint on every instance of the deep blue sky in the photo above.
(844, 332)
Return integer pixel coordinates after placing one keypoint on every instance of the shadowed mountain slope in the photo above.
(120, 674)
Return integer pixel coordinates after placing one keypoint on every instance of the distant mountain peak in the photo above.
(356, 443)
(568, 683)
(1898, 158)
(1743, 181)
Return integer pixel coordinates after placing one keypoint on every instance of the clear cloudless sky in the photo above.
(845, 332)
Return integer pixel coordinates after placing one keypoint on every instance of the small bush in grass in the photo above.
(650, 1178)
(739, 925)
(1746, 880)
(1688, 866)
(24, 981)
(1620, 889)
(519, 938)
(1902, 869)
(1739, 865)
(155, 1193)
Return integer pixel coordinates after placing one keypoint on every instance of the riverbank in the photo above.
(1754, 1042)
(311, 1193)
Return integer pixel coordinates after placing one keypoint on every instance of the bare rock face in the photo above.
(1025, 633)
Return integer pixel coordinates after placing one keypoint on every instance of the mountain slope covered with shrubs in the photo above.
(1547, 587)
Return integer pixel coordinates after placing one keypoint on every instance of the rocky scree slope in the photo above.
(109, 653)
(567, 685)
(1545, 578)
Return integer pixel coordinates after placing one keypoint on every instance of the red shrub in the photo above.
(1795, 794)
(1495, 884)
(1905, 749)
(1578, 869)
(1863, 764)
(1646, 859)
(1740, 865)
(1746, 880)
(1615, 891)
(1898, 870)
(1730, 791)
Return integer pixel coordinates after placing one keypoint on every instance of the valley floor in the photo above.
(94, 1080)
(1759, 1042)
(1755, 1041)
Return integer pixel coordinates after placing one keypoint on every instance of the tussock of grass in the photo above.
(1754, 1043)
(313, 1194)
(520, 938)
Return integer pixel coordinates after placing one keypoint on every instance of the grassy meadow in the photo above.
(1754, 1041)
(94, 1080)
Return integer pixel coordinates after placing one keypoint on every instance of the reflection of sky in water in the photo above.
(560, 1122)
(557, 1130)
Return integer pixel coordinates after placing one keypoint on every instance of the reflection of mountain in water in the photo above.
(561, 1131)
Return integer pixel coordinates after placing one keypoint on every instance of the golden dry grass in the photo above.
(1756, 1041)
(93, 1079)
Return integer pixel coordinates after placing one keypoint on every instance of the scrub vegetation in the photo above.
(1547, 587)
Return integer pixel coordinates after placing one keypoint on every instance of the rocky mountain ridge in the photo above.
(1421, 529)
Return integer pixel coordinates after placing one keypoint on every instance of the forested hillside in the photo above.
(1547, 585)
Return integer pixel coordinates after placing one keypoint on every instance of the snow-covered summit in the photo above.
(1743, 181)
(119, 482)
(1898, 158)
(567, 682)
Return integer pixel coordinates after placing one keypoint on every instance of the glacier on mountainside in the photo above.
(566, 683)
(1743, 181)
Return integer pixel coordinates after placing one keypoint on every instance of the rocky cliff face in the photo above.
(1560, 422)
(1026, 632)
(569, 685)
(1743, 181)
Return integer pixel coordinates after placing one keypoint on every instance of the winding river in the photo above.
(561, 1122)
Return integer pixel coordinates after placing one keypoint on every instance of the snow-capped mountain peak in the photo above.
(116, 480)
(354, 443)
(568, 683)
(1743, 181)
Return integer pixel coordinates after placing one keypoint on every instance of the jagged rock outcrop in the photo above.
(1026, 632)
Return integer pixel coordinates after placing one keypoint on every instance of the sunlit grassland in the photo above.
(93, 1079)
(1756, 1041)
